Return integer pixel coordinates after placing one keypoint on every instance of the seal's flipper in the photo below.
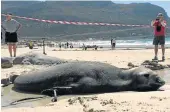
(85, 85)
(142, 88)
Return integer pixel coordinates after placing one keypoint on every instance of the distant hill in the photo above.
(89, 11)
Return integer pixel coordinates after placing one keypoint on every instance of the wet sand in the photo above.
(157, 101)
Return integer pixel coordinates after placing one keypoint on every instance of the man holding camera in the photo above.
(159, 35)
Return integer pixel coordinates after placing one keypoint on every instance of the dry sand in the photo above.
(110, 102)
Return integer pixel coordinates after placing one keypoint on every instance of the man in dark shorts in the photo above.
(114, 43)
(67, 44)
(159, 35)
(111, 43)
(11, 26)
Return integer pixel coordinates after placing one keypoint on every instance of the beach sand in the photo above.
(157, 101)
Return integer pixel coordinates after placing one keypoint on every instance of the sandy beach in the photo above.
(157, 101)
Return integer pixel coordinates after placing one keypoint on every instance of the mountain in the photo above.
(85, 11)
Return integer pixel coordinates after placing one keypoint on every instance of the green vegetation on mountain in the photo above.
(96, 11)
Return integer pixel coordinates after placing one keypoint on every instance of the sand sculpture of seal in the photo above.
(37, 59)
(89, 77)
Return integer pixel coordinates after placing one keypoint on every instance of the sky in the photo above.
(163, 4)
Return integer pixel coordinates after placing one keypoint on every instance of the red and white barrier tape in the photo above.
(77, 23)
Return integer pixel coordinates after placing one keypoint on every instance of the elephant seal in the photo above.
(89, 77)
(37, 59)
(6, 62)
(7, 81)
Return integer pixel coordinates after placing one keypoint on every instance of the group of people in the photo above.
(11, 27)
(67, 45)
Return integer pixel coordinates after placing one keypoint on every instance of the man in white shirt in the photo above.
(11, 26)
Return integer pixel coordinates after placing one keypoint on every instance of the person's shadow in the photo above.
(157, 61)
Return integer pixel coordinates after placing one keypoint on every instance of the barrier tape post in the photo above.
(44, 46)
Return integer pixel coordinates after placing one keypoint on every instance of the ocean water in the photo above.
(120, 43)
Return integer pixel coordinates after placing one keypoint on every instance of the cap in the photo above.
(160, 15)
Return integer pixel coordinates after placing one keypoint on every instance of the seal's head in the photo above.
(146, 79)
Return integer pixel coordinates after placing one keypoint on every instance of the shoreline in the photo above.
(140, 47)
(105, 44)
(117, 57)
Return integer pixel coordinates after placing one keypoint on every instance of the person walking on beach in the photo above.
(60, 46)
(159, 25)
(11, 26)
(67, 44)
(113, 43)
(84, 47)
(71, 45)
(30, 45)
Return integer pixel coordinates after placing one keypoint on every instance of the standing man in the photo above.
(67, 44)
(114, 43)
(11, 26)
(111, 42)
(60, 46)
(159, 35)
